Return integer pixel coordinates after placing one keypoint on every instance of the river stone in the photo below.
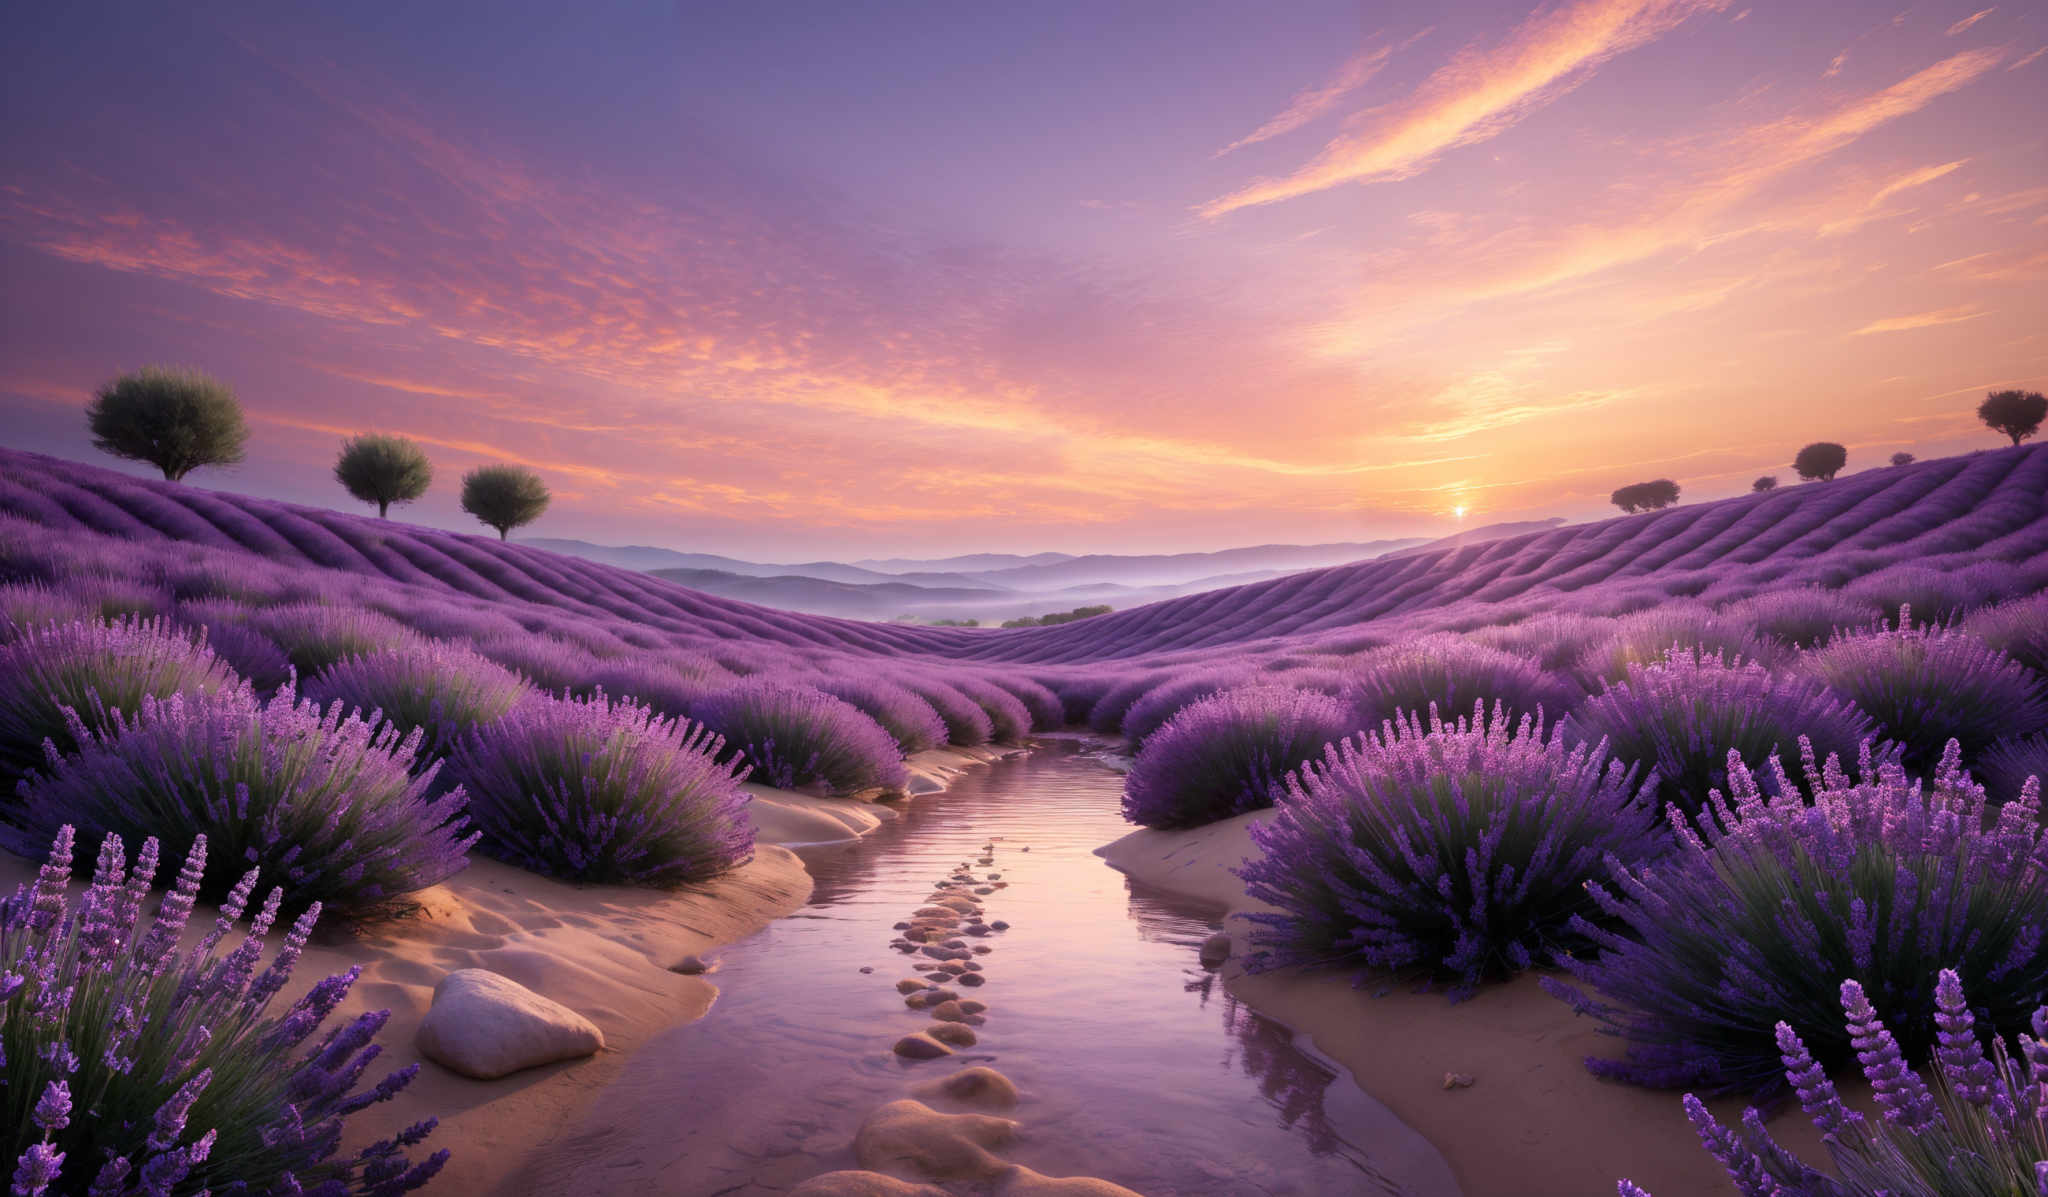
(910, 1136)
(949, 1011)
(862, 1184)
(976, 1086)
(982, 949)
(485, 1026)
(909, 985)
(1023, 1182)
(999, 925)
(972, 979)
(952, 1034)
(1216, 949)
(921, 1047)
(973, 1007)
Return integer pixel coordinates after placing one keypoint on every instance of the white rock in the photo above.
(484, 1025)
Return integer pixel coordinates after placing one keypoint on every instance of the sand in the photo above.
(604, 951)
(1534, 1122)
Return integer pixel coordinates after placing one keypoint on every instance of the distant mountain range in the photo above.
(990, 586)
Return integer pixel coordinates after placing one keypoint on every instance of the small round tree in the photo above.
(1900, 459)
(1646, 496)
(1767, 482)
(1820, 460)
(2017, 414)
(504, 496)
(383, 470)
(176, 420)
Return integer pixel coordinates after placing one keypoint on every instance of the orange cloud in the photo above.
(1477, 95)
(1934, 319)
(1964, 25)
(1308, 105)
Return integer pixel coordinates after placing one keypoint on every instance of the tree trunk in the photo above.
(383, 505)
(504, 534)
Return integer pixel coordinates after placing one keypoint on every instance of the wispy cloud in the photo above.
(1476, 95)
(1874, 209)
(2030, 59)
(1934, 319)
(1963, 26)
(1314, 102)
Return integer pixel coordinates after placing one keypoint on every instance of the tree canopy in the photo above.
(1767, 482)
(1646, 496)
(2017, 414)
(504, 496)
(176, 420)
(1820, 460)
(383, 470)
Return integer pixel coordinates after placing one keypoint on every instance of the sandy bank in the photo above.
(604, 951)
(1533, 1123)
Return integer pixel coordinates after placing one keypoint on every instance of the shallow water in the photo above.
(1135, 1064)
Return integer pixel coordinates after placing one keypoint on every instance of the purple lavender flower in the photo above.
(1460, 850)
(596, 790)
(1451, 673)
(1229, 753)
(1926, 685)
(440, 689)
(795, 735)
(911, 721)
(92, 670)
(1683, 716)
(1647, 636)
(325, 803)
(1772, 898)
(190, 1086)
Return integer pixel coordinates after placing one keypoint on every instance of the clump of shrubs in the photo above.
(24, 605)
(908, 719)
(93, 669)
(137, 1068)
(792, 736)
(254, 657)
(1647, 636)
(439, 689)
(1047, 712)
(2019, 629)
(1926, 685)
(1107, 715)
(1800, 616)
(552, 665)
(1687, 716)
(316, 635)
(1555, 640)
(1459, 851)
(1228, 754)
(2005, 767)
(1009, 720)
(1881, 880)
(967, 723)
(1981, 1126)
(326, 802)
(1159, 704)
(592, 789)
(655, 682)
(1451, 673)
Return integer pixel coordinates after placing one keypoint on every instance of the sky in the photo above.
(790, 281)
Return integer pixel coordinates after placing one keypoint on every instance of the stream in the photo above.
(1134, 1063)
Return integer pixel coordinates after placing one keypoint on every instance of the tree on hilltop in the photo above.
(176, 420)
(1820, 460)
(504, 496)
(2017, 414)
(383, 470)
(1645, 496)
(1767, 482)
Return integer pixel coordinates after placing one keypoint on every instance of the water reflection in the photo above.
(1135, 1063)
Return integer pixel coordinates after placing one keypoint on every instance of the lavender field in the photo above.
(1751, 786)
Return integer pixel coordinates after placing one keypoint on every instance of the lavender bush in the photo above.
(1046, 710)
(327, 802)
(24, 605)
(1159, 704)
(909, 720)
(136, 1068)
(1980, 1129)
(1940, 595)
(1554, 641)
(254, 657)
(2019, 629)
(435, 688)
(1451, 673)
(655, 682)
(316, 635)
(1927, 685)
(590, 789)
(2005, 767)
(552, 665)
(109, 596)
(93, 669)
(1881, 880)
(967, 724)
(1647, 636)
(795, 735)
(1229, 753)
(1009, 720)
(1461, 851)
(1687, 716)
(1107, 715)
(1801, 616)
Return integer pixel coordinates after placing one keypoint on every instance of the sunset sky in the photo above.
(792, 280)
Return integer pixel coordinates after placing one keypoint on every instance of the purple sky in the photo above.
(795, 281)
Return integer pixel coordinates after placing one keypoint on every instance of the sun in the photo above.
(1458, 512)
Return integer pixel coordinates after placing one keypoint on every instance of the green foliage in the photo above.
(1820, 460)
(176, 420)
(2017, 414)
(1645, 496)
(1053, 618)
(504, 496)
(383, 470)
